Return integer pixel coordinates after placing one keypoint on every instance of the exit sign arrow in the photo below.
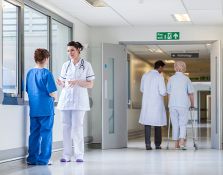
(175, 35)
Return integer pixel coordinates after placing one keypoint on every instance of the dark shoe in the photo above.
(31, 163)
(158, 147)
(64, 160)
(79, 160)
(148, 147)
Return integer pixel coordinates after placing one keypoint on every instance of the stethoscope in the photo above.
(81, 65)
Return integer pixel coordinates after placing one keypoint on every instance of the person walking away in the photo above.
(153, 111)
(181, 98)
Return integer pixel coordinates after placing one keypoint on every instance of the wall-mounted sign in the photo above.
(185, 55)
(168, 35)
(207, 78)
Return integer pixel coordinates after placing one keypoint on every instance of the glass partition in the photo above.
(10, 48)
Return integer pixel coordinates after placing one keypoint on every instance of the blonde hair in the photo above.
(180, 66)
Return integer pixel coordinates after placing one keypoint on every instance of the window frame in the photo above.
(21, 60)
(20, 53)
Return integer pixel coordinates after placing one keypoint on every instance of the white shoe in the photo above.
(50, 162)
(183, 147)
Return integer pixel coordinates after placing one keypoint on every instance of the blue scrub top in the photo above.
(39, 84)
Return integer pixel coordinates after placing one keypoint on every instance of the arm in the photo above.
(191, 97)
(190, 91)
(51, 86)
(61, 79)
(162, 86)
(142, 84)
(82, 83)
(85, 83)
(54, 95)
(60, 82)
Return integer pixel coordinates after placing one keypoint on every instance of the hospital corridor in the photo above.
(111, 87)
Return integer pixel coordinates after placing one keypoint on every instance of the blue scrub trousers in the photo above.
(40, 140)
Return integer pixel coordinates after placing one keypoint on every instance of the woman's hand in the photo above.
(81, 83)
(72, 83)
(60, 82)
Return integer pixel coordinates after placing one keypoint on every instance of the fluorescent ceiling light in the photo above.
(155, 50)
(169, 61)
(151, 50)
(159, 51)
(182, 17)
(97, 3)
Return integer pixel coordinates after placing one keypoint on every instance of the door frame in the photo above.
(218, 76)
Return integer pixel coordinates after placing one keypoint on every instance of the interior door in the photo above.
(114, 96)
(216, 93)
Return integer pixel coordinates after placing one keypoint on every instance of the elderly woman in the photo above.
(181, 98)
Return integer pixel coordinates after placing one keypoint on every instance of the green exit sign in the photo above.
(168, 35)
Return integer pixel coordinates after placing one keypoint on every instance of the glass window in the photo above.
(35, 36)
(61, 35)
(10, 48)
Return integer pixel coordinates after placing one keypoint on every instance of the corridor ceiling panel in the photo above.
(143, 12)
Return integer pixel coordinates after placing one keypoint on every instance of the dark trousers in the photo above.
(157, 136)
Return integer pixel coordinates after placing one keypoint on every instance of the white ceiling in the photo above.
(143, 12)
(152, 13)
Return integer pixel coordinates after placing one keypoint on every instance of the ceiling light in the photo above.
(152, 50)
(97, 3)
(159, 51)
(187, 74)
(182, 17)
(169, 61)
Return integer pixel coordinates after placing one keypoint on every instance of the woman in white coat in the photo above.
(153, 111)
(76, 77)
(181, 97)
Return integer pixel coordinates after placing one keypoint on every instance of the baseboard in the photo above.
(135, 133)
(20, 153)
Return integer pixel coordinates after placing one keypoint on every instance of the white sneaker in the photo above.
(50, 162)
(183, 147)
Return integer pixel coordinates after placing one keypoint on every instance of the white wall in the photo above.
(99, 35)
(137, 68)
(187, 33)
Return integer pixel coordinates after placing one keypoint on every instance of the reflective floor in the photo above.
(134, 160)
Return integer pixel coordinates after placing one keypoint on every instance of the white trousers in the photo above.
(179, 119)
(73, 129)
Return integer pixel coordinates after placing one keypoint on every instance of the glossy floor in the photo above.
(134, 160)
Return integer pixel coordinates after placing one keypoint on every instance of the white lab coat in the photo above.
(75, 98)
(153, 110)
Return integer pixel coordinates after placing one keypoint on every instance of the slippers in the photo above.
(79, 160)
(64, 160)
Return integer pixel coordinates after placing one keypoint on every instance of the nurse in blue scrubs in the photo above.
(41, 89)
